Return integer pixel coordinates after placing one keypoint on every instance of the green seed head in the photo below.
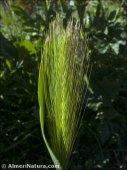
(62, 88)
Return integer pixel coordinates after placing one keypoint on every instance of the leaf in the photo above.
(22, 15)
(115, 47)
(88, 84)
(112, 15)
(102, 47)
(8, 63)
(28, 46)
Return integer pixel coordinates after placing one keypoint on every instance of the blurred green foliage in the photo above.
(102, 138)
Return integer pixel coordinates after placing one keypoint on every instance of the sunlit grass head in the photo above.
(62, 88)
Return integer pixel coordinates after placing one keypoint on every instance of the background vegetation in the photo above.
(102, 142)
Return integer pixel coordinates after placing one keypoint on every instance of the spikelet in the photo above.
(62, 87)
